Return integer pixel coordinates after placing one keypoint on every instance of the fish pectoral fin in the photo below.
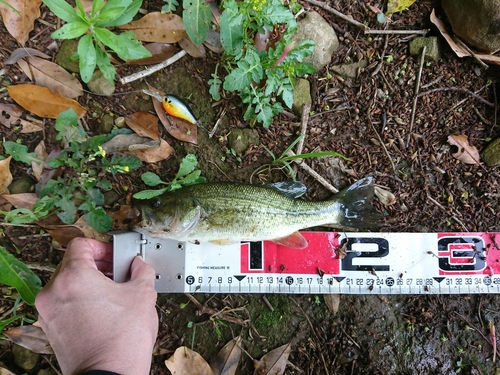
(223, 242)
(293, 241)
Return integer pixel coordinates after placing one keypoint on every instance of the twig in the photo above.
(475, 329)
(153, 69)
(341, 107)
(338, 14)
(473, 55)
(444, 209)
(313, 173)
(381, 142)
(266, 301)
(397, 32)
(459, 89)
(214, 129)
(40, 267)
(315, 334)
(203, 309)
(381, 63)
(305, 119)
(415, 94)
(350, 338)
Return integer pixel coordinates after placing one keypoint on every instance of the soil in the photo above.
(370, 334)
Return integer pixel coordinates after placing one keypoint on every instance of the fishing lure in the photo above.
(174, 107)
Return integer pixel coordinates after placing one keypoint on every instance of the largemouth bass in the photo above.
(226, 213)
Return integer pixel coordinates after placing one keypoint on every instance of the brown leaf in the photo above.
(10, 114)
(185, 361)
(274, 362)
(90, 232)
(227, 360)
(159, 51)
(4, 371)
(332, 301)
(41, 154)
(125, 217)
(48, 74)
(29, 127)
(144, 124)
(20, 24)
(129, 142)
(42, 102)
(63, 234)
(154, 155)
(176, 127)
(385, 196)
(195, 50)
(30, 337)
(23, 200)
(5, 175)
(466, 153)
(21, 53)
(157, 27)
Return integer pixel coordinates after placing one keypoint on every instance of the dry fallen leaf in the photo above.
(30, 337)
(154, 155)
(226, 362)
(157, 27)
(194, 50)
(29, 127)
(385, 196)
(10, 114)
(23, 200)
(42, 102)
(332, 301)
(176, 127)
(466, 153)
(124, 217)
(458, 46)
(21, 53)
(48, 74)
(20, 24)
(129, 142)
(41, 154)
(185, 361)
(159, 51)
(274, 362)
(144, 124)
(90, 232)
(5, 175)
(4, 371)
(63, 234)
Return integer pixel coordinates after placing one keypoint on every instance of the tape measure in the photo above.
(333, 263)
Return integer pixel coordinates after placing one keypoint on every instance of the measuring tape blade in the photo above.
(333, 263)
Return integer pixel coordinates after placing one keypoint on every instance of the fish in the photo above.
(225, 213)
(174, 106)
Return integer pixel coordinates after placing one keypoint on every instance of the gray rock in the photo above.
(46, 371)
(106, 124)
(240, 139)
(432, 52)
(301, 95)
(100, 85)
(476, 22)
(350, 70)
(314, 27)
(63, 57)
(24, 358)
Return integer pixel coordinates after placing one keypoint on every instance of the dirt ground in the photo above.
(403, 334)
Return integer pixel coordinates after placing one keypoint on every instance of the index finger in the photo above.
(85, 252)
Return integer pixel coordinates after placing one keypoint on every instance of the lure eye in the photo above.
(156, 203)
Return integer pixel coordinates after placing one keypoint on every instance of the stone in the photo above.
(433, 50)
(100, 85)
(491, 154)
(23, 184)
(46, 371)
(240, 139)
(314, 27)
(63, 58)
(301, 95)
(476, 22)
(24, 358)
(105, 124)
(350, 70)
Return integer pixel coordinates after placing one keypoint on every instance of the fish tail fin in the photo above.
(356, 205)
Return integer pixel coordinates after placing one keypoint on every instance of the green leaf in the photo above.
(312, 155)
(70, 30)
(215, 84)
(105, 66)
(123, 44)
(65, 119)
(20, 152)
(96, 7)
(127, 15)
(148, 194)
(68, 210)
(197, 17)
(62, 10)
(125, 160)
(104, 185)
(87, 55)
(95, 196)
(188, 164)
(249, 69)
(190, 178)
(43, 206)
(152, 179)
(273, 13)
(16, 274)
(231, 28)
(99, 220)
(170, 6)
(5, 322)
(20, 216)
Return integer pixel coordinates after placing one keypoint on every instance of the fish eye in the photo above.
(156, 203)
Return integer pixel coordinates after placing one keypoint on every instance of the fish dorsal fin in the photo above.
(293, 241)
(292, 189)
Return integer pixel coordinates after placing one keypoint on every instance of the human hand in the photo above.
(93, 323)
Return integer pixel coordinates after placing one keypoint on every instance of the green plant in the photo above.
(82, 166)
(186, 175)
(260, 71)
(92, 45)
(196, 16)
(284, 158)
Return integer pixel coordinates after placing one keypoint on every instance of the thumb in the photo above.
(142, 273)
